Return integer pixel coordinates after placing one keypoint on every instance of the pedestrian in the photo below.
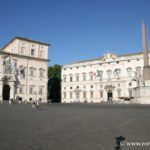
(10, 101)
(37, 104)
(1, 99)
(110, 100)
(34, 104)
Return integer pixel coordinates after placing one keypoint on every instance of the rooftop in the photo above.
(25, 39)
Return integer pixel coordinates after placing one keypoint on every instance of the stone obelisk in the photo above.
(142, 92)
(146, 68)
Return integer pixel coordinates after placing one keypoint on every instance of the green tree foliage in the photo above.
(54, 83)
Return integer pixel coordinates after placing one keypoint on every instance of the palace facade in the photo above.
(98, 80)
(23, 70)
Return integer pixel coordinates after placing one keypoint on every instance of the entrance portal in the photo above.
(6, 92)
(109, 96)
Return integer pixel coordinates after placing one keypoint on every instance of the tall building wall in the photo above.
(98, 79)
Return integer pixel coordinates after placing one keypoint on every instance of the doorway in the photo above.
(6, 92)
(109, 96)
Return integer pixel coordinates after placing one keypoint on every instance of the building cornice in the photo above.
(23, 56)
(101, 58)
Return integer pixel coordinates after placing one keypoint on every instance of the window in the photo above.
(77, 77)
(129, 71)
(31, 72)
(118, 84)
(71, 79)
(64, 94)
(41, 73)
(31, 87)
(84, 87)
(65, 78)
(22, 50)
(101, 86)
(77, 94)
(91, 86)
(70, 95)
(70, 87)
(119, 93)
(84, 76)
(91, 94)
(128, 60)
(41, 54)
(130, 92)
(84, 95)
(32, 52)
(109, 74)
(101, 75)
(101, 94)
(91, 75)
(21, 89)
(41, 90)
(22, 72)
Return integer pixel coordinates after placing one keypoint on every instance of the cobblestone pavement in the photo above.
(74, 127)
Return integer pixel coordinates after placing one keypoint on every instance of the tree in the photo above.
(54, 83)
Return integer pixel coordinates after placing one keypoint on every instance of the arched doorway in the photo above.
(6, 92)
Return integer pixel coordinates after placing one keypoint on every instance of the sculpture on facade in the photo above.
(9, 65)
(138, 76)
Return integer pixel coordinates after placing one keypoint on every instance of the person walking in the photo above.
(1, 99)
(34, 104)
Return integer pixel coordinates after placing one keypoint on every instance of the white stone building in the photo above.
(100, 79)
(23, 70)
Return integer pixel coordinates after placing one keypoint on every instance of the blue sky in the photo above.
(76, 29)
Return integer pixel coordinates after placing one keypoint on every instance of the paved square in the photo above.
(73, 126)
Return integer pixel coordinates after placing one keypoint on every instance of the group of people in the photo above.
(35, 103)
